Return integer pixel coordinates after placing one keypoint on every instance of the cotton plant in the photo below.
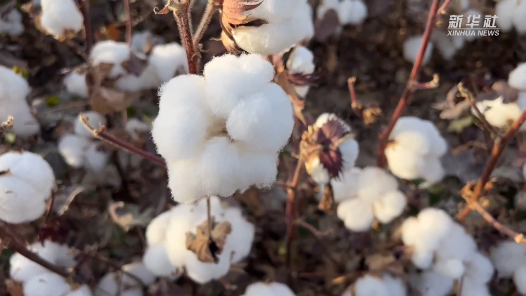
(510, 14)
(414, 150)
(509, 259)
(412, 46)
(446, 252)
(225, 129)
(11, 23)
(127, 282)
(364, 195)
(13, 92)
(268, 289)
(61, 18)
(301, 63)
(174, 239)
(26, 183)
(267, 27)
(349, 12)
(384, 285)
(80, 149)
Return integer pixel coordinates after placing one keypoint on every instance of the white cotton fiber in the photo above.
(11, 23)
(352, 12)
(59, 16)
(76, 84)
(356, 214)
(166, 59)
(73, 148)
(517, 77)
(157, 261)
(412, 47)
(48, 284)
(507, 257)
(111, 52)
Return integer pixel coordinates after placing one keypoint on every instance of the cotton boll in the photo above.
(72, 148)
(346, 186)
(139, 270)
(449, 267)
(156, 230)
(203, 273)
(497, 113)
(15, 198)
(505, 10)
(257, 169)
(356, 214)
(59, 16)
(166, 59)
(131, 83)
(433, 172)
(412, 46)
(22, 269)
(517, 77)
(458, 244)
(242, 234)
(95, 120)
(395, 286)
(318, 172)
(49, 284)
(413, 140)
(480, 269)
(519, 278)
(157, 262)
(403, 163)
(470, 287)
(375, 182)
(507, 257)
(390, 206)
(429, 283)
(25, 124)
(111, 52)
(370, 285)
(96, 159)
(31, 168)
(436, 223)
(175, 243)
(220, 167)
(352, 12)
(184, 180)
(76, 84)
(518, 19)
(283, 113)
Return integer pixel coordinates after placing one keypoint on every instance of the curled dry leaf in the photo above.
(64, 197)
(128, 215)
(207, 248)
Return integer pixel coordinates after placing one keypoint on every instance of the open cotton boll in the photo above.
(346, 186)
(370, 285)
(449, 267)
(131, 83)
(412, 46)
(139, 270)
(167, 59)
(457, 244)
(30, 168)
(505, 11)
(49, 284)
(356, 214)
(242, 235)
(109, 286)
(25, 123)
(11, 23)
(390, 206)
(258, 169)
(76, 84)
(470, 287)
(156, 230)
(111, 52)
(519, 278)
(375, 182)
(430, 283)
(95, 159)
(73, 148)
(268, 289)
(517, 77)
(498, 113)
(480, 269)
(158, 263)
(83, 290)
(507, 257)
(301, 61)
(60, 16)
(95, 120)
(403, 162)
(352, 12)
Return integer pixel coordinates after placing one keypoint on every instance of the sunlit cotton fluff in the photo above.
(412, 47)
(385, 285)
(349, 11)
(122, 284)
(509, 259)
(222, 132)
(167, 59)
(60, 16)
(288, 22)
(76, 84)
(510, 13)
(11, 24)
(517, 77)
(366, 194)
(13, 92)
(301, 61)
(26, 182)
(167, 254)
(268, 289)
(415, 149)
(500, 114)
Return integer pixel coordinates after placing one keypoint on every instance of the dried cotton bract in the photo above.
(170, 234)
(350, 12)
(447, 251)
(61, 18)
(13, 92)
(11, 23)
(26, 182)
(415, 149)
(222, 132)
(366, 194)
(509, 259)
(268, 289)
(368, 285)
(412, 47)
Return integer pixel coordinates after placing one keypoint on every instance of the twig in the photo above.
(444, 6)
(88, 33)
(290, 210)
(469, 96)
(498, 148)
(205, 22)
(518, 237)
(355, 105)
(128, 22)
(427, 85)
(384, 137)
(101, 134)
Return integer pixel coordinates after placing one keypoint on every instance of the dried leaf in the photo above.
(106, 100)
(64, 197)
(135, 65)
(128, 215)
(327, 26)
(327, 200)
(14, 288)
(207, 248)
(234, 11)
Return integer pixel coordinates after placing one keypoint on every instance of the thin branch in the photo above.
(291, 210)
(518, 237)
(88, 33)
(128, 22)
(101, 134)
(444, 6)
(384, 137)
(427, 85)
(210, 9)
(356, 106)
(498, 148)
(469, 96)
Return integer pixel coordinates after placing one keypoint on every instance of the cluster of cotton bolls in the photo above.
(509, 259)
(510, 13)
(366, 194)
(13, 92)
(268, 289)
(386, 285)
(26, 183)
(350, 12)
(301, 61)
(11, 23)
(60, 17)
(162, 63)
(224, 129)
(129, 281)
(446, 252)
(81, 149)
(415, 149)
(37, 280)
(167, 252)
(348, 148)
(500, 114)
(287, 23)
